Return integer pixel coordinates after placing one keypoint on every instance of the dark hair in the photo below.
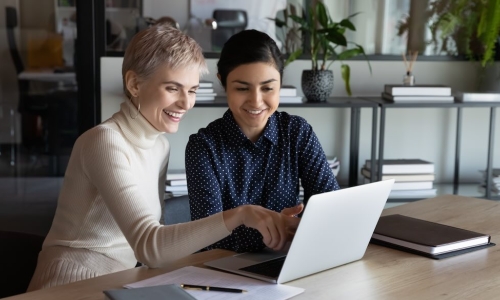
(246, 47)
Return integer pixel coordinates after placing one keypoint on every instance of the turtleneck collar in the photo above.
(138, 131)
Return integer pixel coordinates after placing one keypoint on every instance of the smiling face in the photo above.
(253, 96)
(166, 95)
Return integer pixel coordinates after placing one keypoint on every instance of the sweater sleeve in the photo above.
(106, 164)
(161, 182)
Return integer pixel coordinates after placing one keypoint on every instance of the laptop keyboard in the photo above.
(270, 268)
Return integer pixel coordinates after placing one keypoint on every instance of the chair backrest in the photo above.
(18, 259)
(229, 22)
(177, 210)
(11, 24)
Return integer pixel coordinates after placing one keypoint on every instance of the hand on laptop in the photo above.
(293, 211)
(276, 228)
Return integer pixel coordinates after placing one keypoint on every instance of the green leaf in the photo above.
(293, 56)
(347, 24)
(488, 28)
(362, 51)
(353, 15)
(336, 37)
(321, 14)
(346, 74)
(278, 22)
(349, 53)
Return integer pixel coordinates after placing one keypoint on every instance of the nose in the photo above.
(255, 98)
(185, 102)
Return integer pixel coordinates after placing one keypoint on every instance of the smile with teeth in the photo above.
(255, 112)
(173, 114)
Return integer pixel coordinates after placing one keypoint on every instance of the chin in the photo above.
(171, 130)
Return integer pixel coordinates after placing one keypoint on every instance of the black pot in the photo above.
(317, 85)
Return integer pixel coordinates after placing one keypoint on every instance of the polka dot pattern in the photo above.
(225, 169)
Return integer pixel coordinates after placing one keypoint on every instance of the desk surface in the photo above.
(47, 76)
(383, 273)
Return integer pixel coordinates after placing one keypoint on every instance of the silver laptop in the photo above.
(335, 229)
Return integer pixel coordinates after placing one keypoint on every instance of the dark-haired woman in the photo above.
(253, 154)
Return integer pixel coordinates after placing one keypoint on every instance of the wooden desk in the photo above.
(383, 273)
(48, 76)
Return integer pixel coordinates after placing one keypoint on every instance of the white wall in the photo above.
(410, 133)
(167, 8)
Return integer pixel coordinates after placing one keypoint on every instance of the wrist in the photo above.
(234, 217)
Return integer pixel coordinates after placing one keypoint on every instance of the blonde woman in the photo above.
(109, 209)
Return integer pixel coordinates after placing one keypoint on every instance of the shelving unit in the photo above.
(355, 105)
(385, 104)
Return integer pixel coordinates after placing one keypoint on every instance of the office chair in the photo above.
(229, 22)
(41, 114)
(177, 210)
(18, 258)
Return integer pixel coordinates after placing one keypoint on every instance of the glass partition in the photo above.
(38, 108)
(385, 28)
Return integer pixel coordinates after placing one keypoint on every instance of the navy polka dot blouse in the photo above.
(225, 169)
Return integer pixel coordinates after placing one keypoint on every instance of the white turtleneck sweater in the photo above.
(109, 208)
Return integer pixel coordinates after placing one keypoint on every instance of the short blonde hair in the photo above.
(159, 45)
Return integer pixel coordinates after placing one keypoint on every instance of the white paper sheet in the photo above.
(257, 289)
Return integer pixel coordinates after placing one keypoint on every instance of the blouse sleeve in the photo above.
(205, 196)
(314, 172)
(203, 186)
(107, 167)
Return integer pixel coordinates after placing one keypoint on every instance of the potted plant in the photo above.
(462, 27)
(326, 44)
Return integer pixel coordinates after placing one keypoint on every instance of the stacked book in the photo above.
(334, 164)
(176, 183)
(477, 97)
(417, 93)
(206, 91)
(413, 177)
(288, 94)
(495, 183)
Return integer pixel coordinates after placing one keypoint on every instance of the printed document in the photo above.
(256, 289)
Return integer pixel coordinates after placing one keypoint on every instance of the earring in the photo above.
(138, 109)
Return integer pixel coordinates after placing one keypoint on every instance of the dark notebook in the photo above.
(426, 238)
(160, 292)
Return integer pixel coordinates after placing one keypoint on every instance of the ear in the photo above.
(219, 77)
(132, 83)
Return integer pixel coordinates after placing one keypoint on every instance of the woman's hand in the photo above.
(276, 228)
(293, 211)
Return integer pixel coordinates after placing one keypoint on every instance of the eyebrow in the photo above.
(261, 83)
(179, 84)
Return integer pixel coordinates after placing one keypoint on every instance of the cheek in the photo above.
(274, 100)
(234, 99)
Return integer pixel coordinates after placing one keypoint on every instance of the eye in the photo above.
(192, 92)
(267, 89)
(242, 89)
(172, 89)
